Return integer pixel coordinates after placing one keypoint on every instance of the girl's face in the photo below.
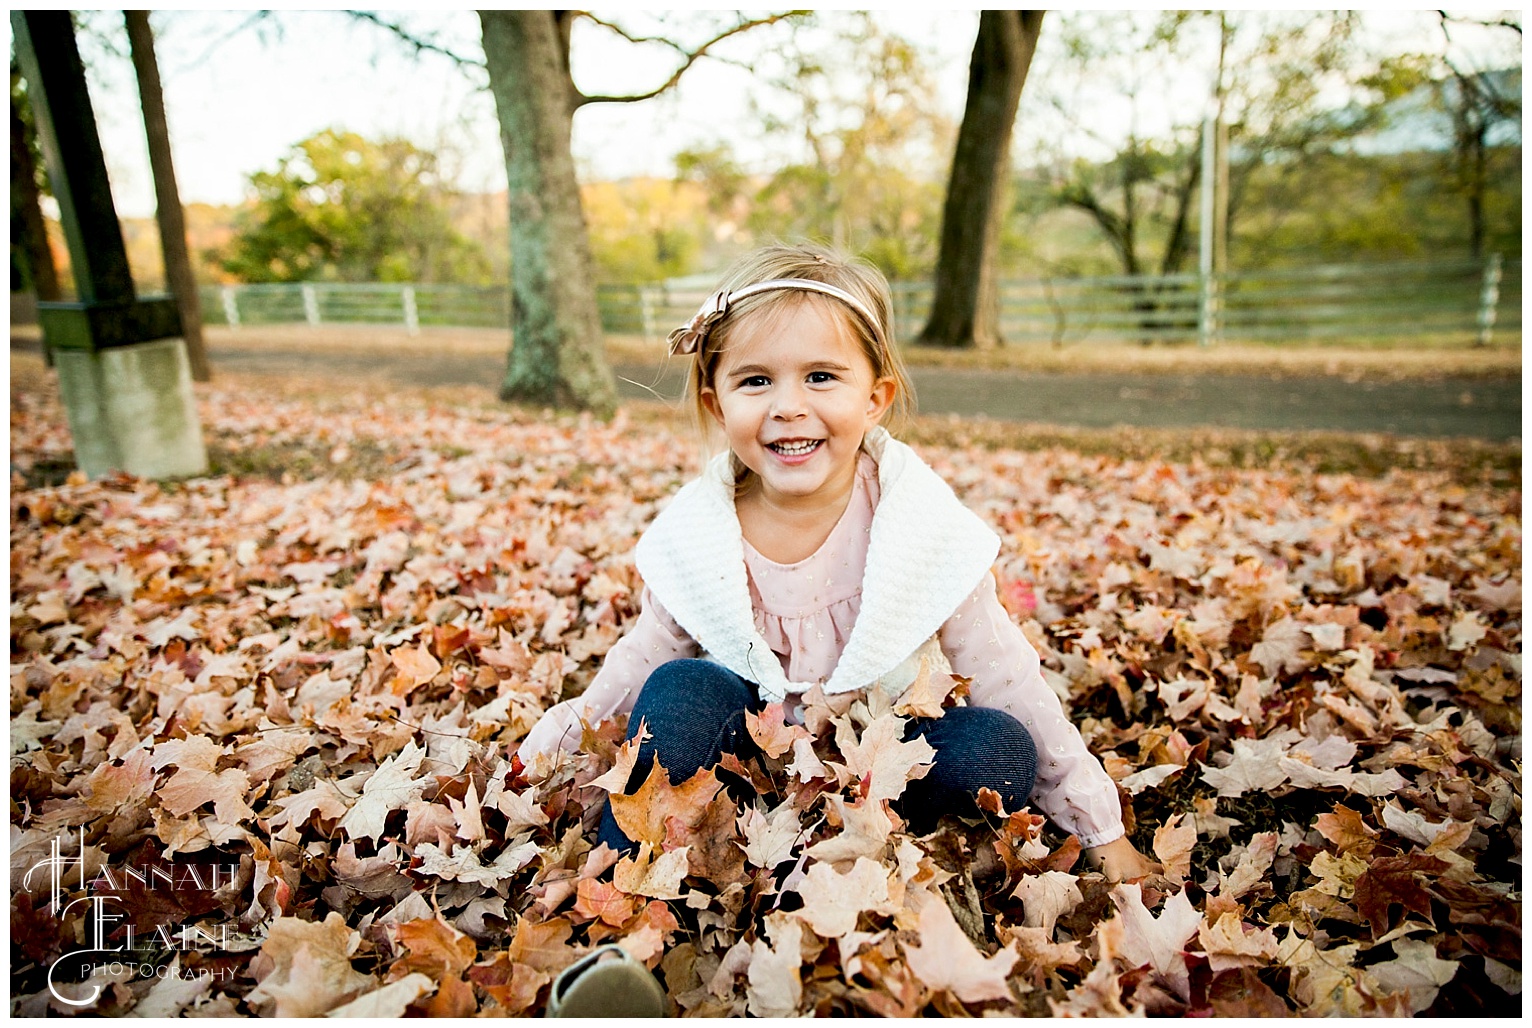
(795, 394)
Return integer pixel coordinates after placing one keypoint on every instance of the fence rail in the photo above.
(1460, 300)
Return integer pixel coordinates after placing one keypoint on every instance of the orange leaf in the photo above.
(643, 814)
(454, 998)
(436, 948)
(544, 945)
(416, 668)
(771, 731)
(603, 901)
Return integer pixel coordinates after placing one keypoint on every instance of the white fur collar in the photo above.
(925, 553)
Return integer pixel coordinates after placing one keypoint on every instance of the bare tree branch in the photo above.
(421, 45)
(625, 34)
(1492, 23)
(691, 57)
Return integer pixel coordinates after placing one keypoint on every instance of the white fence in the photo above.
(1463, 300)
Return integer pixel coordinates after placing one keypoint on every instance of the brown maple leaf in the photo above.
(1390, 880)
(1173, 844)
(832, 902)
(543, 945)
(1346, 829)
(642, 816)
(435, 948)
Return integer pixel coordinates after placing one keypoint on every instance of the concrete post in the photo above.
(123, 369)
(131, 408)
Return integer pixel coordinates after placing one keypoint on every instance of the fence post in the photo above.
(646, 311)
(230, 308)
(1207, 310)
(310, 305)
(411, 312)
(1489, 298)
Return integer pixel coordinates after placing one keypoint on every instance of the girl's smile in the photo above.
(795, 394)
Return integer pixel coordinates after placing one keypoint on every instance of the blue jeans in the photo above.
(695, 712)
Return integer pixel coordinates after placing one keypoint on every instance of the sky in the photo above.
(239, 92)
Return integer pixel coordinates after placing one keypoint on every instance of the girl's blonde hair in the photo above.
(816, 264)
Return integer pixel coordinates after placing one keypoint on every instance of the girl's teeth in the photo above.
(794, 449)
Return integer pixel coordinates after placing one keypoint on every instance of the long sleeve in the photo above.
(654, 639)
(983, 644)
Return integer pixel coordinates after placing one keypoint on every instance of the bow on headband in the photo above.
(689, 337)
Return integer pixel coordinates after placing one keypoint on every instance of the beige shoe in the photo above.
(606, 983)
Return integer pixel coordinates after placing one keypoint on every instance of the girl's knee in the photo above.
(983, 746)
(689, 691)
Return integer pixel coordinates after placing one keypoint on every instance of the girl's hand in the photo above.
(558, 729)
(1120, 862)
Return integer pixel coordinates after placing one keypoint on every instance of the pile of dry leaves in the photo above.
(281, 716)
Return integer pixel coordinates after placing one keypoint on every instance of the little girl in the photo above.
(819, 549)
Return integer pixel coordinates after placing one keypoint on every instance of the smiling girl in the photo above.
(819, 550)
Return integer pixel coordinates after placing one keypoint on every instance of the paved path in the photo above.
(1483, 408)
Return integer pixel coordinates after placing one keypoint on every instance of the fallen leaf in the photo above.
(946, 959)
(388, 1002)
(1416, 972)
(1046, 897)
(881, 756)
(387, 789)
(304, 967)
(1173, 844)
(1156, 942)
(775, 987)
(1229, 945)
(832, 902)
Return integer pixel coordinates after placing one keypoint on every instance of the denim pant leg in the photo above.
(976, 748)
(694, 711)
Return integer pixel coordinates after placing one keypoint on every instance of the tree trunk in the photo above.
(29, 233)
(167, 198)
(556, 353)
(1178, 246)
(965, 310)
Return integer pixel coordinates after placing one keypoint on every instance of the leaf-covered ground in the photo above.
(310, 671)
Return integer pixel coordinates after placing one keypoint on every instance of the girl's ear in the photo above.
(711, 404)
(883, 393)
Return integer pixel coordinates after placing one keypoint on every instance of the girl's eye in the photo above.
(755, 382)
(820, 377)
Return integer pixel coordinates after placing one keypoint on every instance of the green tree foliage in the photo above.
(645, 229)
(342, 208)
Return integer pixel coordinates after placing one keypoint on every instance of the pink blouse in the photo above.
(806, 611)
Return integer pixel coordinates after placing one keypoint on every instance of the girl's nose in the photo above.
(787, 405)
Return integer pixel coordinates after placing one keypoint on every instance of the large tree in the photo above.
(172, 221)
(965, 310)
(556, 353)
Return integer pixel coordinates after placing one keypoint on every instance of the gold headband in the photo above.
(689, 337)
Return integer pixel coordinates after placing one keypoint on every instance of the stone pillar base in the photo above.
(131, 408)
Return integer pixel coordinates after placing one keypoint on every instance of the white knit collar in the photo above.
(925, 553)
